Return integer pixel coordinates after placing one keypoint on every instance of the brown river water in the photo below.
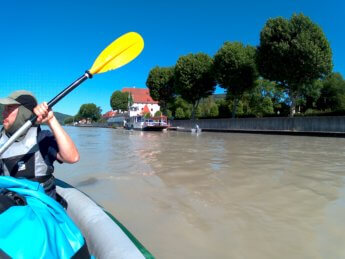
(217, 195)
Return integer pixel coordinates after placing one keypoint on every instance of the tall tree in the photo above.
(293, 53)
(194, 78)
(161, 85)
(235, 69)
(89, 111)
(120, 100)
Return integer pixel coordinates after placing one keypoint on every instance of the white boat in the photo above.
(196, 129)
(147, 124)
(105, 236)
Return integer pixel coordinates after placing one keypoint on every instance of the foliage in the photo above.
(263, 100)
(179, 113)
(240, 106)
(332, 94)
(293, 53)
(235, 69)
(208, 108)
(158, 114)
(169, 114)
(184, 106)
(89, 111)
(214, 112)
(194, 78)
(308, 95)
(223, 108)
(161, 85)
(120, 100)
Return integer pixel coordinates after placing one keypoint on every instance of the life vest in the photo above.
(33, 225)
(24, 159)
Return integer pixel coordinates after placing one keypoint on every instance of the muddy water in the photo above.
(217, 195)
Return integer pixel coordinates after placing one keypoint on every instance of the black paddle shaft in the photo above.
(66, 91)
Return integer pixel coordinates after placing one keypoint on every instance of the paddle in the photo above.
(118, 53)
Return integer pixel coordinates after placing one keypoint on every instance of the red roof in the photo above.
(109, 114)
(140, 95)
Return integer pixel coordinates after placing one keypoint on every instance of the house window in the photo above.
(142, 108)
(152, 109)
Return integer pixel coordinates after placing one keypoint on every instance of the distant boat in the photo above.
(196, 129)
(147, 124)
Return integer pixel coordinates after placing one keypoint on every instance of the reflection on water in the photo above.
(216, 195)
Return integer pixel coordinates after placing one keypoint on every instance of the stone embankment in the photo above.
(309, 126)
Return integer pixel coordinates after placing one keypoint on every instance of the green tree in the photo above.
(208, 107)
(120, 100)
(185, 106)
(89, 111)
(235, 70)
(179, 113)
(308, 96)
(214, 112)
(240, 106)
(169, 114)
(194, 78)
(161, 85)
(264, 99)
(332, 93)
(293, 53)
(158, 114)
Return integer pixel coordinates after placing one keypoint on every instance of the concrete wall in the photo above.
(308, 124)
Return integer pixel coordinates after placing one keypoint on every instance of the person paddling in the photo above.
(32, 155)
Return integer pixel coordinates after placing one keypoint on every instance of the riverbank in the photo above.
(331, 126)
(94, 125)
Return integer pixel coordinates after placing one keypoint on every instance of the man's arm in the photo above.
(68, 152)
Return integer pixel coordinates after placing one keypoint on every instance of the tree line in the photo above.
(88, 111)
(290, 69)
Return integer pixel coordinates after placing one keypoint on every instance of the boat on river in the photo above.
(147, 124)
(105, 236)
(196, 129)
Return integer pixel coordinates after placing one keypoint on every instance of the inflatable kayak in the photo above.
(105, 236)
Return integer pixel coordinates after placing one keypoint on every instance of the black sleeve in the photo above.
(1, 167)
(48, 146)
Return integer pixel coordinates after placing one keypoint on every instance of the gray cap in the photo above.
(21, 97)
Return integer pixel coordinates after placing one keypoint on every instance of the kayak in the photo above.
(105, 236)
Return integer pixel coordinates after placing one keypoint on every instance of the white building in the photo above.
(142, 102)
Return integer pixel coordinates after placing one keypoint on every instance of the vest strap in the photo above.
(41, 179)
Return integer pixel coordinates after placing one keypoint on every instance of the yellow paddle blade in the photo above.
(120, 52)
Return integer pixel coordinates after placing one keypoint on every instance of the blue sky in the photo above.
(46, 45)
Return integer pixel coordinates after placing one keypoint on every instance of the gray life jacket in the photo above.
(24, 159)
